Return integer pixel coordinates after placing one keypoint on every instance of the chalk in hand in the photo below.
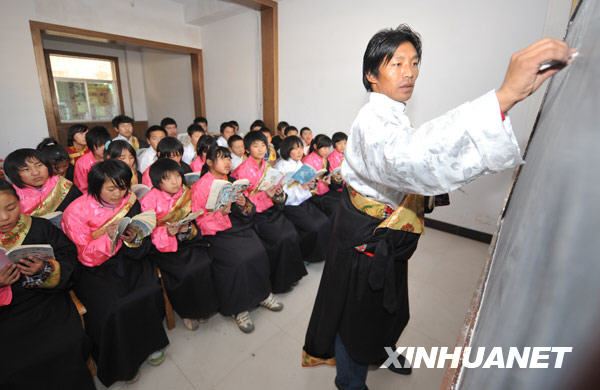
(549, 64)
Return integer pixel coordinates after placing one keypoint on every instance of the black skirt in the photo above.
(41, 336)
(188, 279)
(314, 228)
(328, 202)
(282, 242)
(363, 298)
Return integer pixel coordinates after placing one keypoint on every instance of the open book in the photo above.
(188, 218)
(271, 177)
(223, 192)
(191, 178)
(140, 190)
(304, 174)
(55, 217)
(42, 252)
(143, 224)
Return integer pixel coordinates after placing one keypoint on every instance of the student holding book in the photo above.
(40, 191)
(189, 148)
(96, 140)
(122, 150)
(328, 201)
(119, 287)
(170, 148)
(123, 126)
(204, 143)
(277, 232)
(336, 156)
(56, 155)
(147, 156)
(240, 262)
(313, 225)
(180, 253)
(76, 143)
(43, 343)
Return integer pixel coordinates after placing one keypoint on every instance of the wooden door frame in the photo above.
(37, 28)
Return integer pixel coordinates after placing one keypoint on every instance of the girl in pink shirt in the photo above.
(96, 140)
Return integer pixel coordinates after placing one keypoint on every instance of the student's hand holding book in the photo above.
(111, 228)
(241, 201)
(326, 180)
(174, 229)
(29, 266)
(9, 274)
(128, 235)
(225, 209)
(275, 190)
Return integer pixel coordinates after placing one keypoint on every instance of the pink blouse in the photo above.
(82, 168)
(146, 179)
(210, 222)
(5, 295)
(31, 197)
(335, 159)
(162, 202)
(318, 163)
(250, 170)
(84, 216)
(197, 164)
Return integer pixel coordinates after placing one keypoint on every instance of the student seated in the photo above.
(96, 140)
(238, 152)
(170, 148)
(123, 126)
(202, 122)
(312, 224)
(189, 149)
(146, 156)
(306, 135)
(119, 288)
(292, 130)
(57, 156)
(278, 234)
(170, 126)
(39, 190)
(122, 150)
(235, 125)
(43, 343)
(180, 253)
(204, 143)
(76, 143)
(276, 141)
(271, 154)
(328, 201)
(240, 262)
(257, 125)
(335, 159)
(226, 130)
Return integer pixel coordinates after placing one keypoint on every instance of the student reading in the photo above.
(362, 302)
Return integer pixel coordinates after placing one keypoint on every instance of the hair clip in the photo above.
(106, 144)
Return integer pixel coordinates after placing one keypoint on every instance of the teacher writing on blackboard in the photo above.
(362, 301)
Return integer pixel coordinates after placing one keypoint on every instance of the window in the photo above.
(86, 89)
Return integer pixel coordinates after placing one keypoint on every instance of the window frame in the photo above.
(117, 81)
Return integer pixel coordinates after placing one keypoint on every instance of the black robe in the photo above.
(125, 310)
(188, 278)
(240, 265)
(314, 229)
(363, 298)
(70, 173)
(42, 342)
(329, 202)
(73, 194)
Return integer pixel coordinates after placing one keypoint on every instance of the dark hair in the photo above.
(114, 170)
(383, 45)
(167, 121)
(320, 141)
(252, 137)
(234, 123)
(121, 119)
(225, 125)
(161, 169)
(214, 153)
(17, 160)
(302, 130)
(115, 149)
(257, 122)
(96, 137)
(194, 128)
(200, 119)
(265, 129)
(169, 146)
(289, 129)
(6, 186)
(49, 141)
(339, 136)
(282, 126)
(154, 128)
(52, 152)
(204, 143)
(74, 129)
(233, 139)
(288, 144)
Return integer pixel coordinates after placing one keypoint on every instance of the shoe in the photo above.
(272, 303)
(156, 358)
(134, 379)
(340, 387)
(244, 322)
(190, 324)
(401, 370)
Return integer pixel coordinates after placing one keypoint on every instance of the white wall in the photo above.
(21, 108)
(232, 70)
(466, 48)
(168, 85)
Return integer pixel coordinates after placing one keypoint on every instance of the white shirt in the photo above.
(145, 158)
(295, 193)
(120, 137)
(221, 141)
(386, 157)
(189, 153)
(235, 161)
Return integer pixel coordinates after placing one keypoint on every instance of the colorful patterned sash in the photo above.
(118, 216)
(180, 209)
(54, 198)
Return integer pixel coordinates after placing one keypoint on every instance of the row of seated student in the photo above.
(228, 261)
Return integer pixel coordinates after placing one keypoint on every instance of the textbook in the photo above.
(191, 178)
(271, 177)
(223, 192)
(140, 190)
(55, 217)
(188, 218)
(306, 174)
(42, 252)
(143, 224)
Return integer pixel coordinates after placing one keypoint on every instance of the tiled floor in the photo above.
(443, 273)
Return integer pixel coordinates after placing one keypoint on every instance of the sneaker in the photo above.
(190, 324)
(272, 303)
(156, 358)
(244, 322)
(134, 379)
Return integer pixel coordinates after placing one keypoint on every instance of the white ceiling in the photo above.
(203, 12)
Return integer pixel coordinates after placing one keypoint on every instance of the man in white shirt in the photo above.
(362, 302)
(194, 132)
(227, 130)
(147, 156)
